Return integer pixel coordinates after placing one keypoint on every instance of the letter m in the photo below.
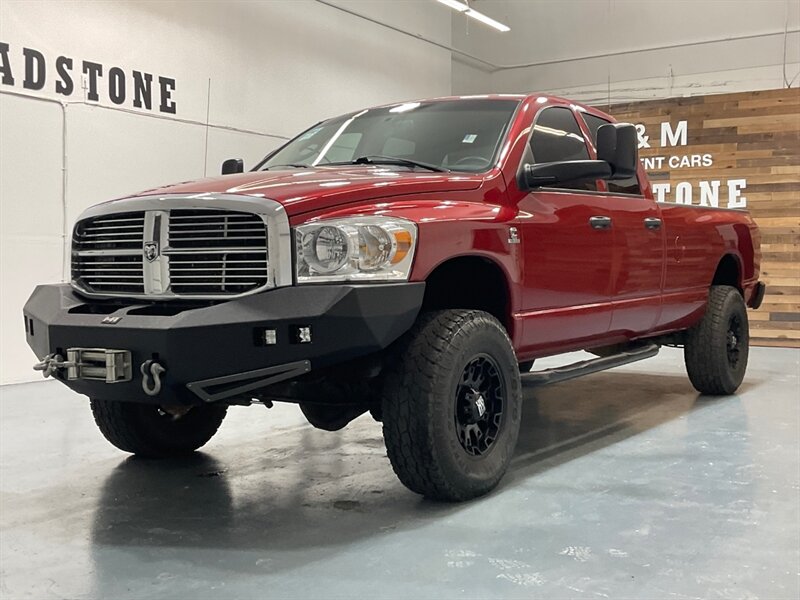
(674, 138)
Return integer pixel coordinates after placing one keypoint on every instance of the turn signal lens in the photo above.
(403, 242)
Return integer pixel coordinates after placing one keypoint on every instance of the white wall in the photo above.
(274, 68)
(659, 47)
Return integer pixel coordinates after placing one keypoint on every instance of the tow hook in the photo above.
(151, 370)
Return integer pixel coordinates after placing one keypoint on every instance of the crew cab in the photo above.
(410, 260)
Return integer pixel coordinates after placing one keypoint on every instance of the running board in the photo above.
(586, 367)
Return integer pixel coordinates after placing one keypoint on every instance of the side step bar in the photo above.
(585, 367)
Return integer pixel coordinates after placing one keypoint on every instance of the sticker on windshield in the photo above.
(469, 138)
(310, 133)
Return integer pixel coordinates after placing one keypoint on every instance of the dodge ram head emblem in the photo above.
(151, 251)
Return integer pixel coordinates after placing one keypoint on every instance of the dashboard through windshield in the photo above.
(457, 135)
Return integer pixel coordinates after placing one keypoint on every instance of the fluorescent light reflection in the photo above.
(478, 16)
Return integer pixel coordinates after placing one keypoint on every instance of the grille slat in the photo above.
(209, 222)
(96, 231)
(184, 270)
(114, 277)
(209, 253)
(218, 284)
(200, 250)
(114, 240)
(104, 266)
(111, 234)
(120, 218)
(175, 262)
(220, 277)
(211, 214)
(174, 240)
(209, 230)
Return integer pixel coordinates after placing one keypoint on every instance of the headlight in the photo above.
(355, 249)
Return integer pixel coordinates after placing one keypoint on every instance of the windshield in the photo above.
(460, 135)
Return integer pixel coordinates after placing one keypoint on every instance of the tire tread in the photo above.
(414, 372)
(707, 368)
(120, 424)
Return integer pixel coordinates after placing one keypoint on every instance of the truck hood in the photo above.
(304, 190)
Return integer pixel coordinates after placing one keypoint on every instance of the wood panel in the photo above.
(753, 136)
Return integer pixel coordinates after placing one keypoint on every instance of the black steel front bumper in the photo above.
(227, 341)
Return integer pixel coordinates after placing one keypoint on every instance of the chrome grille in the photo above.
(199, 252)
(215, 229)
(110, 232)
(109, 273)
(216, 251)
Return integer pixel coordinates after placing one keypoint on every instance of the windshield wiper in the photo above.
(378, 159)
(295, 165)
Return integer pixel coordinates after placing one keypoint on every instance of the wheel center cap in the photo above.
(480, 404)
(476, 406)
(732, 340)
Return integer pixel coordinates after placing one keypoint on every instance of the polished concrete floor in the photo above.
(625, 484)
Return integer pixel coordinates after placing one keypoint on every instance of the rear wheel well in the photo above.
(471, 282)
(727, 272)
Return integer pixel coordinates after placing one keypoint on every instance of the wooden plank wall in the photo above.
(753, 136)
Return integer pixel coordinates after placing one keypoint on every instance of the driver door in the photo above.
(568, 246)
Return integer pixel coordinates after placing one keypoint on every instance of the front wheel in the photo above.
(452, 405)
(716, 349)
(150, 431)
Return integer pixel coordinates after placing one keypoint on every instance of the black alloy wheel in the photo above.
(734, 340)
(480, 398)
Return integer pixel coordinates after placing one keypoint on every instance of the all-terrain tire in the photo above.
(450, 363)
(146, 430)
(716, 349)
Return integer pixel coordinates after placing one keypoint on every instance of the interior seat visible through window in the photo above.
(558, 137)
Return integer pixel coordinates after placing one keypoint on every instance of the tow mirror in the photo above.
(546, 174)
(233, 165)
(618, 145)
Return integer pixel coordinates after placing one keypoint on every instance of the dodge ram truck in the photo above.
(410, 261)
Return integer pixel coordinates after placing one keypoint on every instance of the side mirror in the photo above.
(233, 165)
(618, 145)
(544, 174)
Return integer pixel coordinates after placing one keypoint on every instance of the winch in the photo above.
(102, 364)
(96, 364)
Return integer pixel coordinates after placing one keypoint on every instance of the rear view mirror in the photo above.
(233, 165)
(546, 174)
(617, 144)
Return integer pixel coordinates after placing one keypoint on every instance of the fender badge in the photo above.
(151, 251)
(111, 320)
(513, 235)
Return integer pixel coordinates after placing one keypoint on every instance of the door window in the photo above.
(558, 137)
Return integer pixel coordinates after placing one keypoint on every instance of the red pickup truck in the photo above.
(410, 260)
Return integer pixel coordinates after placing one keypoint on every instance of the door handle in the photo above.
(652, 223)
(600, 222)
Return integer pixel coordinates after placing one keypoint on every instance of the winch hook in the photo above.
(151, 369)
(51, 363)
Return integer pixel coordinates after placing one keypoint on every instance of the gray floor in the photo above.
(626, 484)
